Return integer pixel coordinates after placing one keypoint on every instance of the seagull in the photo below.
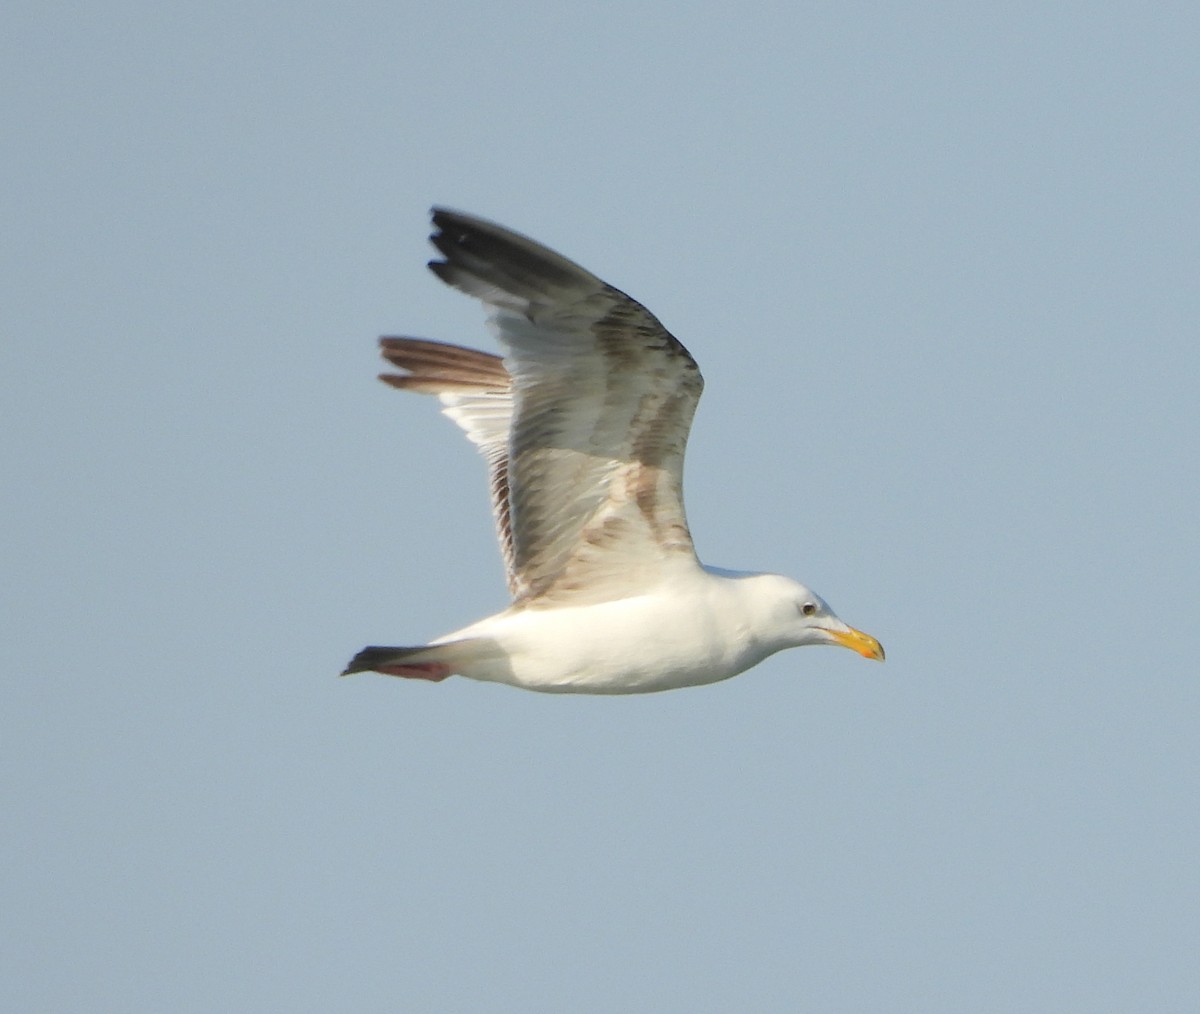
(583, 424)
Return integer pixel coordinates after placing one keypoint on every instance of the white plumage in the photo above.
(583, 425)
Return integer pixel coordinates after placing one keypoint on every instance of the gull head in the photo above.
(790, 615)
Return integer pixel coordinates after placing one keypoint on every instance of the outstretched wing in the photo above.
(601, 404)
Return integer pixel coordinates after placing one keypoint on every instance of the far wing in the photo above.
(476, 392)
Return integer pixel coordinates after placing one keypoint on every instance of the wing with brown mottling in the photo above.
(602, 402)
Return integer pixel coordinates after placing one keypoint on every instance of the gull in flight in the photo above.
(583, 424)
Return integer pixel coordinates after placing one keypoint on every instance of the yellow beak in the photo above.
(856, 640)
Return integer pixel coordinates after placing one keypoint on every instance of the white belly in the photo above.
(636, 645)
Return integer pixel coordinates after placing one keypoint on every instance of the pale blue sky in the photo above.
(939, 264)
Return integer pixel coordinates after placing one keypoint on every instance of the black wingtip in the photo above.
(447, 221)
(442, 269)
(479, 252)
(440, 215)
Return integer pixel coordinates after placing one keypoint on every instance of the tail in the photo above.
(432, 662)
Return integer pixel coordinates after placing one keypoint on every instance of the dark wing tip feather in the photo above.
(448, 273)
(477, 250)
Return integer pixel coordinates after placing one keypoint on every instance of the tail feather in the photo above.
(426, 661)
(371, 658)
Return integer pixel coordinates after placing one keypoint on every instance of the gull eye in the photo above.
(808, 609)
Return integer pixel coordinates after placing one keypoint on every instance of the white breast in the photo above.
(685, 633)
